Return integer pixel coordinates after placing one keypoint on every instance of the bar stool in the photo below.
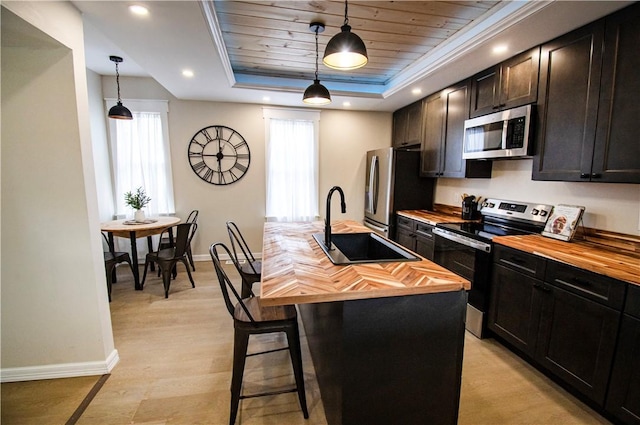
(251, 270)
(250, 318)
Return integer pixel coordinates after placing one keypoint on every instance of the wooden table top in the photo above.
(119, 228)
(618, 264)
(295, 270)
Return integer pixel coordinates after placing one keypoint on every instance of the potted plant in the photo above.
(137, 201)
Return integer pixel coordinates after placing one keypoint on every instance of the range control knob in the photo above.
(484, 204)
(491, 205)
(535, 212)
(543, 213)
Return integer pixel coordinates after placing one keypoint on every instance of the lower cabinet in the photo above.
(416, 236)
(576, 341)
(623, 399)
(562, 318)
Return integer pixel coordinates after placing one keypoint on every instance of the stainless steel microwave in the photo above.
(503, 134)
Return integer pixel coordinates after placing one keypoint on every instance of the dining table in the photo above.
(128, 228)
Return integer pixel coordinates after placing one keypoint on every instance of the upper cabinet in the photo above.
(588, 103)
(441, 149)
(509, 84)
(407, 126)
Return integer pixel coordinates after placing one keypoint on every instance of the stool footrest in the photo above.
(267, 352)
(291, 390)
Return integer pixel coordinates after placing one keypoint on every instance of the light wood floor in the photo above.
(175, 368)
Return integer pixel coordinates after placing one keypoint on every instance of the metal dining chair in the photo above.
(168, 258)
(250, 318)
(250, 269)
(111, 260)
(165, 241)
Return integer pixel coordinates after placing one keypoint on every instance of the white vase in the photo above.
(139, 216)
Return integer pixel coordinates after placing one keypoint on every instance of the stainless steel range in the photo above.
(465, 248)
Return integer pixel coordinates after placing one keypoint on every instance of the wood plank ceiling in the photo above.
(272, 38)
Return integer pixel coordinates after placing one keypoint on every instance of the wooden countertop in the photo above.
(433, 217)
(618, 264)
(295, 270)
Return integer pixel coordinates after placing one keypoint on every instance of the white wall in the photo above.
(101, 152)
(55, 314)
(609, 206)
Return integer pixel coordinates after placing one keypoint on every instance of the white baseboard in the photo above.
(65, 370)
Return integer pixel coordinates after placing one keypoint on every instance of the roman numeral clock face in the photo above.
(219, 155)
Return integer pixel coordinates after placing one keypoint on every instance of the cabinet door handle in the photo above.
(595, 175)
(516, 260)
(581, 282)
(584, 175)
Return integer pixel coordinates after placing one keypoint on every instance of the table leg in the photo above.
(150, 246)
(134, 260)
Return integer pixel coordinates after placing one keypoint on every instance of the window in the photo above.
(141, 157)
(291, 164)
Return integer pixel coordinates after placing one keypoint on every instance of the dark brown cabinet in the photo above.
(441, 149)
(514, 311)
(623, 399)
(576, 341)
(416, 236)
(407, 126)
(566, 323)
(509, 84)
(588, 103)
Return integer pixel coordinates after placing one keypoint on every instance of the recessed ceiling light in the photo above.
(187, 73)
(346, 104)
(136, 9)
(266, 99)
(500, 48)
(416, 91)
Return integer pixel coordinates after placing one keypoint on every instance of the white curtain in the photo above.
(292, 176)
(141, 159)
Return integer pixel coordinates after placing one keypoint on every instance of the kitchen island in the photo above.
(386, 339)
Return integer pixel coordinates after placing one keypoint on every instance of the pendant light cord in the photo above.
(317, 28)
(118, 82)
(346, 16)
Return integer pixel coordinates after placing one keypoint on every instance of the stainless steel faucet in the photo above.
(327, 219)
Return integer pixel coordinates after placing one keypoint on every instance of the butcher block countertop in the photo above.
(295, 270)
(618, 264)
(440, 215)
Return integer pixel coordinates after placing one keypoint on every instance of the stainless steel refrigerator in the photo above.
(393, 184)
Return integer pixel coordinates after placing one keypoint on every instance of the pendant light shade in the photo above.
(119, 111)
(345, 51)
(316, 93)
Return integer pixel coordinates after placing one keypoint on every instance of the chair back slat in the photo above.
(193, 217)
(184, 235)
(109, 248)
(237, 239)
(226, 286)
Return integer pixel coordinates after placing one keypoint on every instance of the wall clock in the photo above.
(219, 155)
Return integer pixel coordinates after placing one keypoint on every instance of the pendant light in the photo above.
(316, 93)
(119, 112)
(345, 51)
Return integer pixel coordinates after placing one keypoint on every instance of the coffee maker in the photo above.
(469, 207)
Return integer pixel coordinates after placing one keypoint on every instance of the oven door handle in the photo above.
(463, 240)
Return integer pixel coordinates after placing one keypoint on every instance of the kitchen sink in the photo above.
(359, 248)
